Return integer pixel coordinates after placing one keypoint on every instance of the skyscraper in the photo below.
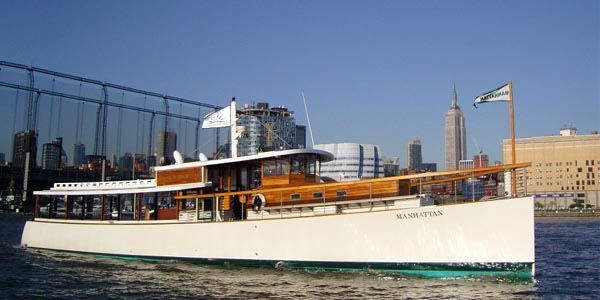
(300, 136)
(415, 158)
(25, 141)
(166, 143)
(267, 129)
(455, 134)
(78, 154)
(52, 153)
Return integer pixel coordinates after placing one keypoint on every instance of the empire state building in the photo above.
(455, 133)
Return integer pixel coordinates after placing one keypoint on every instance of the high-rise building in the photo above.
(563, 168)
(455, 134)
(300, 136)
(415, 158)
(25, 141)
(351, 162)
(166, 144)
(480, 160)
(78, 154)
(266, 129)
(126, 162)
(52, 154)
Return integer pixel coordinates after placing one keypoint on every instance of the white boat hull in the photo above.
(487, 235)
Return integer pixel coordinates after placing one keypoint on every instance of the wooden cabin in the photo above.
(286, 177)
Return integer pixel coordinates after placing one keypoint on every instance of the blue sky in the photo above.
(373, 72)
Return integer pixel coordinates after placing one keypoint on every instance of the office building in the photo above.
(78, 154)
(480, 160)
(455, 134)
(52, 155)
(166, 144)
(352, 161)
(563, 168)
(25, 141)
(414, 156)
(391, 166)
(267, 129)
(300, 136)
(126, 162)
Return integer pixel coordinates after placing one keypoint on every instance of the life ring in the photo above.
(258, 202)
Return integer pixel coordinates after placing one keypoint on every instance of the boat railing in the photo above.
(104, 185)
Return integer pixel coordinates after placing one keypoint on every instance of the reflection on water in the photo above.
(565, 253)
(70, 275)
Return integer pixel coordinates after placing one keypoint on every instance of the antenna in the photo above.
(312, 140)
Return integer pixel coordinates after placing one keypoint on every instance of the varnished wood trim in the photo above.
(464, 172)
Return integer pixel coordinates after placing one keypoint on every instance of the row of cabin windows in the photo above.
(319, 195)
(297, 165)
(248, 176)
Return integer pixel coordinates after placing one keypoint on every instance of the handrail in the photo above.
(467, 172)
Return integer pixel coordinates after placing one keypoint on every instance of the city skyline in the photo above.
(382, 71)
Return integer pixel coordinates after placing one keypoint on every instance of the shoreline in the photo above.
(566, 214)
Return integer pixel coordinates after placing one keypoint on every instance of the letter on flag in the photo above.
(500, 94)
(220, 118)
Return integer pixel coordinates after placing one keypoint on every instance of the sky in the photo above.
(378, 72)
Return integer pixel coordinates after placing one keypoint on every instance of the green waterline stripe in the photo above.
(431, 270)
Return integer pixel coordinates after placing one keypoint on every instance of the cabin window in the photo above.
(233, 182)
(165, 201)
(318, 195)
(243, 178)
(298, 165)
(270, 168)
(148, 206)
(127, 211)
(341, 194)
(213, 175)
(277, 167)
(311, 163)
(295, 196)
(283, 166)
(255, 176)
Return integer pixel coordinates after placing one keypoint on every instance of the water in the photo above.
(567, 254)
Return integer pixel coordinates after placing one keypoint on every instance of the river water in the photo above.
(567, 266)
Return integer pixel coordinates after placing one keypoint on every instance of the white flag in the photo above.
(500, 94)
(220, 118)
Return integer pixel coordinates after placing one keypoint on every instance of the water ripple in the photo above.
(566, 251)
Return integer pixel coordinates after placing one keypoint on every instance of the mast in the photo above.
(512, 138)
(233, 127)
(312, 140)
